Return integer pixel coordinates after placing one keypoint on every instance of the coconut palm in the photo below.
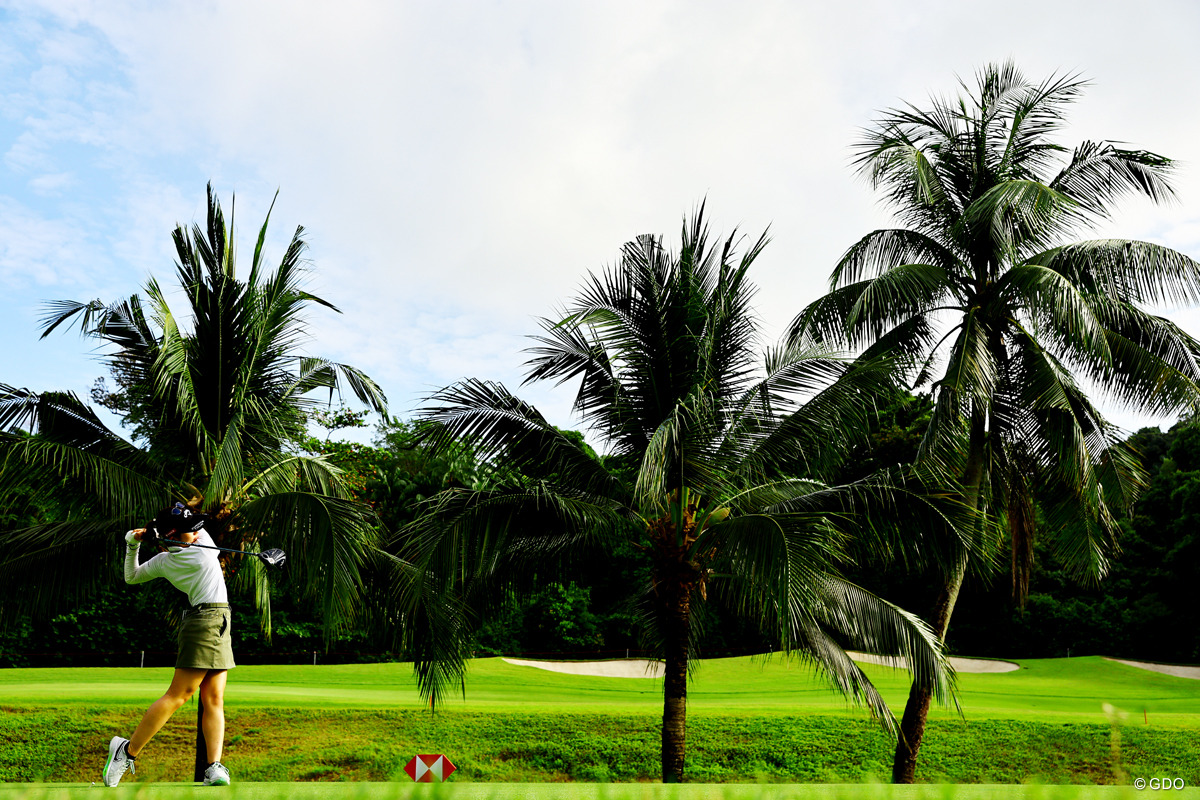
(984, 285)
(703, 444)
(218, 399)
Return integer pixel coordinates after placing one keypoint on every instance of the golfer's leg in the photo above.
(212, 693)
(183, 686)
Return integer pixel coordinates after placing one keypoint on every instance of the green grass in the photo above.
(68, 744)
(748, 721)
(581, 791)
(1049, 690)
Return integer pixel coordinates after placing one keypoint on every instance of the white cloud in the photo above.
(42, 252)
(461, 166)
(51, 184)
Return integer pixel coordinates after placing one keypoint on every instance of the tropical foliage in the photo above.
(701, 442)
(218, 401)
(984, 290)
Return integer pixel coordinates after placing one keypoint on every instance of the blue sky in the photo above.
(460, 166)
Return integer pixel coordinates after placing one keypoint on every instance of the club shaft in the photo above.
(209, 547)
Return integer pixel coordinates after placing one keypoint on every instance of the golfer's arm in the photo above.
(134, 572)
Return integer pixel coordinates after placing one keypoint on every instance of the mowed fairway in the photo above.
(1049, 690)
(749, 720)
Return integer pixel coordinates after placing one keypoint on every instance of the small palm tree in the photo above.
(703, 444)
(984, 286)
(219, 401)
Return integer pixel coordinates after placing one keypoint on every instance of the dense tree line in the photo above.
(1144, 609)
(1141, 610)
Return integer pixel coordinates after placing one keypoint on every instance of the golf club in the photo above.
(272, 558)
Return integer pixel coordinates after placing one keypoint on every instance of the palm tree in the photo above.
(700, 440)
(219, 401)
(983, 285)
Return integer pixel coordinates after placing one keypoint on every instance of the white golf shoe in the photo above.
(216, 775)
(119, 760)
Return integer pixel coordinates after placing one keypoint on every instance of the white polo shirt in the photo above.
(192, 570)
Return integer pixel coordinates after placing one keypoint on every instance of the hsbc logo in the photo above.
(429, 768)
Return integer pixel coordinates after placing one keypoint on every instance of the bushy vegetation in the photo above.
(1141, 610)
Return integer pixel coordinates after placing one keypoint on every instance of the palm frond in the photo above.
(502, 427)
(571, 351)
(1026, 116)
(364, 387)
(463, 553)
(1127, 270)
(1081, 460)
(899, 515)
(870, 623)
(1019, 214)
(322, 373)
(823, 321)
(49, 566)
(503, 532)
(904, 346)
(810, 436)
(328, 539)
(1099, 173)
(1064, 311)
(972, 371)
(299, 472)
(67, 440)
(436, 631)
(894, 297)
(884, 250)
(904, 157)
(779, 578)
(661, 469)
(60, 312)
(228, 472)
(1155, 364)
(943, 448)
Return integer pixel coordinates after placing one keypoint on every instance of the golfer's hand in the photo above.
(134, 535)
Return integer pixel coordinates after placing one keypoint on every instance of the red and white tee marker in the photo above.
(429, 768)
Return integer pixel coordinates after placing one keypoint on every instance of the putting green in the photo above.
(1069, 690)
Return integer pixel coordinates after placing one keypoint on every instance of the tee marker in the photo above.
(429, 768)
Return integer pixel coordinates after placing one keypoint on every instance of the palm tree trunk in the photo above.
(912, 724)
(674, 723)
(916, 710)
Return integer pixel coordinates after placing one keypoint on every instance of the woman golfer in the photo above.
(205, 651)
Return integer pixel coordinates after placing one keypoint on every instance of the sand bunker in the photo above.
(1177, 670)
(959, 664)
(644, 668)
(618, 668)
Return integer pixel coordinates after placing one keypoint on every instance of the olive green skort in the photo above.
(204, 639)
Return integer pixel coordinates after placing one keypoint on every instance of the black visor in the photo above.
(177, 519)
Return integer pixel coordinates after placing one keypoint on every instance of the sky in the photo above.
(460, 167)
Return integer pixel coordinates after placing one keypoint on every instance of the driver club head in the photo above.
(273, 557)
